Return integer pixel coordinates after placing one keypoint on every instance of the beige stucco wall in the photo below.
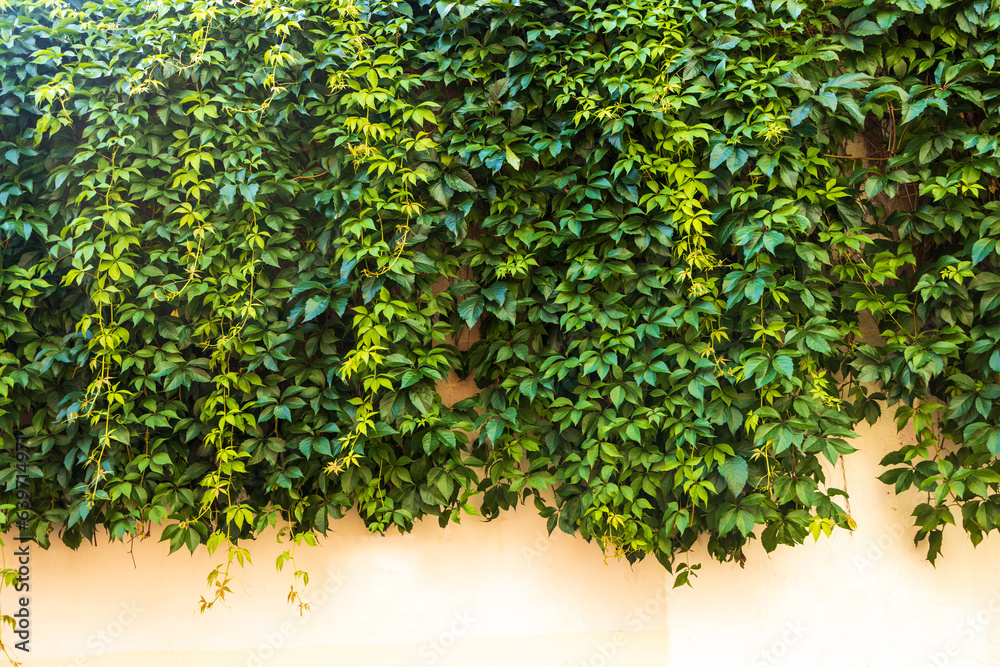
(503, 593)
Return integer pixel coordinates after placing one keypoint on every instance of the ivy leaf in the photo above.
(315, 306)
(447, 438)
(990, 301)
(755, 365)
(495, 161)
(993, 442)
(498, 89)
(735, 472)
(512, 159)
(617, 395)
(849, 81)
(411, 377)
(78, 512)
(726, 42)
(745, 520)
(438, 192)
(795, 80)
(423, 398)
(305, 286)
(800, 113)
(495, 292)
(249, 191)
(228, 193)
(735, 517)
(865, 29)
(720, 153)
(911, 111)
(783, 364)
(985, 280)
(767, 164)
(736, 159)
(981, 249)
(470, 309)
(754, 289)
(462, 287)
(429, 443)
(460, 180)
(827, 99)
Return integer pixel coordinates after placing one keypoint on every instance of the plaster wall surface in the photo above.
(505, 593)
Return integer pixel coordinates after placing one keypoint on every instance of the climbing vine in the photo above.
(241, 244)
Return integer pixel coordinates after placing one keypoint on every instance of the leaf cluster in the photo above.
(242, 244)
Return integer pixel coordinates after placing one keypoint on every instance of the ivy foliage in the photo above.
(242, 245)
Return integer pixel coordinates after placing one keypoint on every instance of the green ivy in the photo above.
(241, 244)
